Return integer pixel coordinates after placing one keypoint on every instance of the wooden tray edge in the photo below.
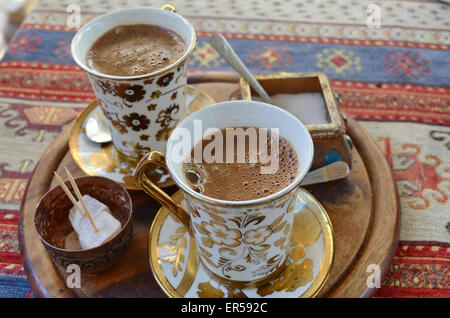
(359, 266)
(41, 168)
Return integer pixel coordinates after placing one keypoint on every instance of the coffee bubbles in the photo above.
(131, 50)
(242, 181)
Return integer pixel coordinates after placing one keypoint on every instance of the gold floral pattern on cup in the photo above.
(246, 239)
(142, 113)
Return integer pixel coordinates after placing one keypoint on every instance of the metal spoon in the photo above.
(96, 128)
(221, 45)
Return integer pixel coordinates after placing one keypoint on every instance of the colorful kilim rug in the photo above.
(393, 79)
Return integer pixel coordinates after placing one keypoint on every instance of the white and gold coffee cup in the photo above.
(241, 243)
(141, 111)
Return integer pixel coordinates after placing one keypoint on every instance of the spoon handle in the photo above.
(221, 45)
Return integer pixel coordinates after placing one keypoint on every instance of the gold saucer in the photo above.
(103, 159)
(174, 259)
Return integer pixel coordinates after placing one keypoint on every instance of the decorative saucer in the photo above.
(174, 259)
(103, 160)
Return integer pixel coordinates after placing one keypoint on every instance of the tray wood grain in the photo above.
(364, 211)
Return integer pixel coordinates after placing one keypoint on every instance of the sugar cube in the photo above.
(106, 224)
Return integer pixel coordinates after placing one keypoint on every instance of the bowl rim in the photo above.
(127, 223)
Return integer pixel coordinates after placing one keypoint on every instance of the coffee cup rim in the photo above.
(309, 149)
(92, 22)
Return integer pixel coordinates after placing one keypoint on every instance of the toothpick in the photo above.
(67, 191)
(80, 198)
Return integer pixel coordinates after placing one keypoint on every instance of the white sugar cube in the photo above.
(94, 206)
(106, 224)
(107, 227)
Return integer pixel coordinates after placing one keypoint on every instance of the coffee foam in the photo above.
(131, 50)
(244, 181)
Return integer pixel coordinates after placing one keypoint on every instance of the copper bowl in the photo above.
(53, 226)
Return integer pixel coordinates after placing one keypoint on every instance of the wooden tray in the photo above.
(364, 210)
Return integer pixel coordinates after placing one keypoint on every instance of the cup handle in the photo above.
(148, 162)
(168, 7)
